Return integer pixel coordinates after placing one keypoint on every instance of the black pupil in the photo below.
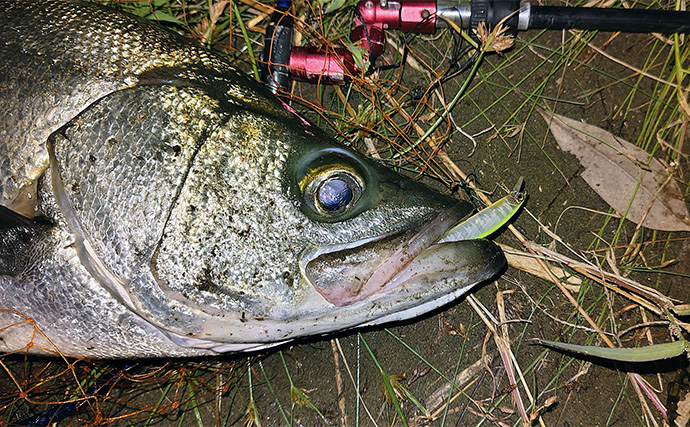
(334, 195)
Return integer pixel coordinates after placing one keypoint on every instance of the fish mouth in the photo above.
(348, 273)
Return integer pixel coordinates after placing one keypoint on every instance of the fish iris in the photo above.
(334, 195)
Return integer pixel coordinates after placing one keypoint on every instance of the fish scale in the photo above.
(156, 203)
(58, 65)
(144, 170)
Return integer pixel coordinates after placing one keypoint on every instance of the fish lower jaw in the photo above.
(421, 309)
(419, 292)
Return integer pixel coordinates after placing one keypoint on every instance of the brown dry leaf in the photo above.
(526, 262)
(614, 167)
(683, 411)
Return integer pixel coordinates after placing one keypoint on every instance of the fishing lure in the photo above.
(488, 220)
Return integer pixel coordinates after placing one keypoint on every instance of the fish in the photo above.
(155, 202)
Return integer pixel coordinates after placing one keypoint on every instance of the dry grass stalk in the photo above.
(496, 40)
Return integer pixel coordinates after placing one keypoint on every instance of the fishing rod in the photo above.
(372, 17)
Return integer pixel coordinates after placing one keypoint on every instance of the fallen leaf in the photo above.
(683, 411)
(614, 167)
(527, 262)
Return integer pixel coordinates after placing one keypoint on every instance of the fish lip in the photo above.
(383, 269)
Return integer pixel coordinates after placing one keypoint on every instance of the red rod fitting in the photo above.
(372, 40)
(314, 65)
(335, 66)
(406, 15)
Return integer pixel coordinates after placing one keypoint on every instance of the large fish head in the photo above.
(217, 216)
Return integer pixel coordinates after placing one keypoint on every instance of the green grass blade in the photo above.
(649, 353)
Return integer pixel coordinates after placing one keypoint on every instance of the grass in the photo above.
(443, 115)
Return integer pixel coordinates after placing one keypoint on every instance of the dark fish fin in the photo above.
(10, 219)
(181, 76)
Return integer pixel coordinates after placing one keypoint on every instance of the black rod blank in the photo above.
(604, 19)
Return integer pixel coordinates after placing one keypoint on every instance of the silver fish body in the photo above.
(157, 203)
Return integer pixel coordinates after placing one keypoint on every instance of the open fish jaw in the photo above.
(347, 275)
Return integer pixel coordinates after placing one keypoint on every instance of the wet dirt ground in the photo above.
(342, 377)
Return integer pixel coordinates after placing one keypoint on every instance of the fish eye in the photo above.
(334, 195)
(333, 192)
